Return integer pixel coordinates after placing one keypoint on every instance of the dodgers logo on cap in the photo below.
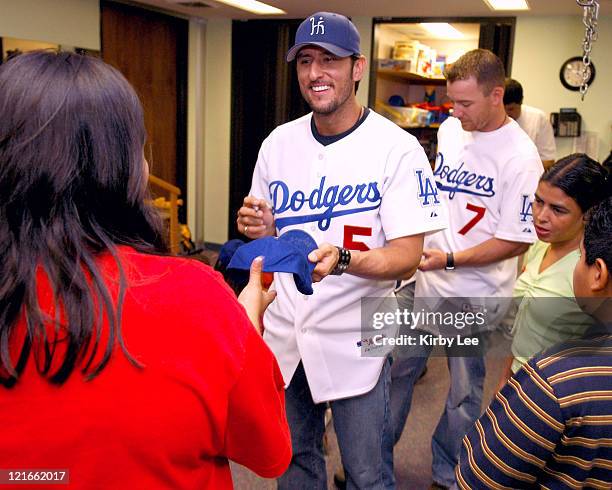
(332, 32)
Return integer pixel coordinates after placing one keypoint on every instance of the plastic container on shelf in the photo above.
(406, 117)
(395, 65)
(437, 113)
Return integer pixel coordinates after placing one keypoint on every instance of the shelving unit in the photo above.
(392, 75)
(431, 126)
(395, 73)
(413, 78)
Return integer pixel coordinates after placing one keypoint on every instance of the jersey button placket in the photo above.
(318, 164)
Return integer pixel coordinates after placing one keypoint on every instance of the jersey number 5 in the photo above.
(480, 212)
(349, 234)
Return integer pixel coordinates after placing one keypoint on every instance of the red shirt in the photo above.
(210, 390)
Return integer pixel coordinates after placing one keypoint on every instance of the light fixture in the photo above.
(442, 30)
(507, 4)
(253, 6)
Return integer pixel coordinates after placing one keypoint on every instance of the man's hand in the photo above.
(326, 257)
(254, 297)
(433, 259)
(255, 218)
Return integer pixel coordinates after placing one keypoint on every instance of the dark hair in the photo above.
(73, 185)
(483, 65)
(354, 58)
(581, 178)
(598, 233)
(513, 92)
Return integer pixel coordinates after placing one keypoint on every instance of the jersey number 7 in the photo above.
(480, 212)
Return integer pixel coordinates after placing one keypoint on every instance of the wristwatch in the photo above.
(344, 260)
(450, 262)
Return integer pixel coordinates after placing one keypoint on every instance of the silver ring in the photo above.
(246, 227)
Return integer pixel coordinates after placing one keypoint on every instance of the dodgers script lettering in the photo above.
(322, 203)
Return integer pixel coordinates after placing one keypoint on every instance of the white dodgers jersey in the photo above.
(369, 187)
(488, 181)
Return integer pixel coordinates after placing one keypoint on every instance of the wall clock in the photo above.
(571, 73)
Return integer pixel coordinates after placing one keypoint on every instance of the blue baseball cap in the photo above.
(333, 32)
(227, 251)
(396, 101)
(237, 279)
(287, 253)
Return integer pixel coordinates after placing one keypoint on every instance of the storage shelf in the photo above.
(433, 126)
(411, 77)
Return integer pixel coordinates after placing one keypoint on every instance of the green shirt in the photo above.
(541, 323)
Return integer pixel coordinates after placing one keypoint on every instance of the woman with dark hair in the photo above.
(547, 311)
(118, 363)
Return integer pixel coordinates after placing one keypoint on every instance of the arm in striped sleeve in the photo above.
(510, 444)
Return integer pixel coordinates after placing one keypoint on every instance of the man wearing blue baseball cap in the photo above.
(363, 189)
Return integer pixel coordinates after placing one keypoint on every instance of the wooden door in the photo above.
(150, 49)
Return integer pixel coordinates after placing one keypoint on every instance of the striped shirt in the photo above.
(549, 427)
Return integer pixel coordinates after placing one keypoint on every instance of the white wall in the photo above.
(195, 127)
(364, 26)
(217, 115)
(69, 22)
(541, 45)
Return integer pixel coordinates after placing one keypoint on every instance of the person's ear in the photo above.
(497, 95)
(359, 68)
(601, 276)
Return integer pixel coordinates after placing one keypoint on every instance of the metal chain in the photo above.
(589, 19)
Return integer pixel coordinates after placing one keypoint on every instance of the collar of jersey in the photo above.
(328, 140)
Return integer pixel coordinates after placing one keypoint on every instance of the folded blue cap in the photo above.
(287, 253)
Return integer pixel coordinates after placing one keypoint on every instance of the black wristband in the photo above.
(450, 262)
(344, 260)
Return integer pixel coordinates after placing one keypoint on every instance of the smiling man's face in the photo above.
(326, 81)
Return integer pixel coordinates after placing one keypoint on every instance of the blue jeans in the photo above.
(404, 374)
(462, 407)
(363, 428)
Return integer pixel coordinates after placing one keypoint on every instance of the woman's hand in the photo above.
(254, 297)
